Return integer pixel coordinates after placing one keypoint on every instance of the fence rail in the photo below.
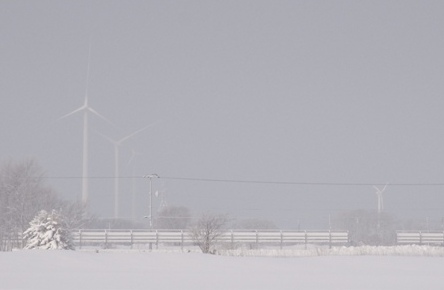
(420, 238)
(131, 237)
(282, 238)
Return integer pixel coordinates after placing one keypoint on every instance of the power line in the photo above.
(255, 181)
(301, 183)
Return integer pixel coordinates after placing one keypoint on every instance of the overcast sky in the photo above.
(285, 91)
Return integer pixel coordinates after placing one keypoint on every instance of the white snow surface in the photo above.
(123, 269)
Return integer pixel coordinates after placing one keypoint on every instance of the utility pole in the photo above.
(150, 177)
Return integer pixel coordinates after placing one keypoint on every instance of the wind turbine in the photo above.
(117, 144)
(163, 203)
(380, 198)
(380, 202)
(85, 109)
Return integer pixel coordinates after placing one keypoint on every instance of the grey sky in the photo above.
(300, 91)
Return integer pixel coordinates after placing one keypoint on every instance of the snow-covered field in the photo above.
(407, 267)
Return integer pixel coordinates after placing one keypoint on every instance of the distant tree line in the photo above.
(367, 227)
(377, 229)
(24, 193)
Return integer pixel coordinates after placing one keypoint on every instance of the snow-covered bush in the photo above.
(48, 231)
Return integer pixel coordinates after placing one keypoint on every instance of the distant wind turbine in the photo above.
(380, 198)
(380, 203)
(86, 109)
(163, 203)
(117, 145)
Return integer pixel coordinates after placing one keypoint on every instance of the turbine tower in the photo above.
(117, 145)
(131, 162)
(85, 109)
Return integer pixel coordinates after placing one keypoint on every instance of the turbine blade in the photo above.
(130, 160)
(134, 153)
(73, 112)
(107, 138)
(134, 133)
(97, 114)
(87, 74)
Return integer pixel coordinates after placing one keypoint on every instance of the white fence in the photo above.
(420, 238)
(181, 238)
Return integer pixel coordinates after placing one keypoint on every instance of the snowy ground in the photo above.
(355, 268)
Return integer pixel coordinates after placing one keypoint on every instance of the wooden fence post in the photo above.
(80, 239)
(157, 240)
(181, 240)
(131, 236)
(232, 239)
(329, 239)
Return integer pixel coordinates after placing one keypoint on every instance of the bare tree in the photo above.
(207, 230)
(24, 193)
(367, 227)
(75, 215)
(173, 218)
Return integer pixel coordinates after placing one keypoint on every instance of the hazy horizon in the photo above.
(331, 97)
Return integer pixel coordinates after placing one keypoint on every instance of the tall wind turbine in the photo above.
(85, 109)
(117, 145)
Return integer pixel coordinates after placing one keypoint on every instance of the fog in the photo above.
(288, 111)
